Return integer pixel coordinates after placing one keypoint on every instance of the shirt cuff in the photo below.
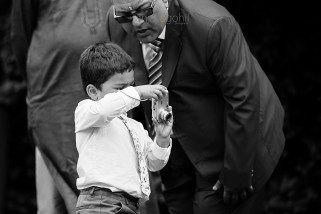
(130, 96)
(161, 153)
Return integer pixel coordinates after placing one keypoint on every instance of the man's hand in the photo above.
(163, 130)
(232, 195)
(151, 91)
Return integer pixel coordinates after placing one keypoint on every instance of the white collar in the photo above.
(162, 35)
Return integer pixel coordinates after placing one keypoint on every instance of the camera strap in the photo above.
(141, 100)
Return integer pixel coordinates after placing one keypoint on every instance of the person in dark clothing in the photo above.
(227, 133)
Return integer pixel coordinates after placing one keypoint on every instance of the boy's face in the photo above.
(113, 84)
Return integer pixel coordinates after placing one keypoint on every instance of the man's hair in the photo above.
(101, 61)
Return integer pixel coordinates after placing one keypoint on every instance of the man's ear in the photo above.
(92, 92)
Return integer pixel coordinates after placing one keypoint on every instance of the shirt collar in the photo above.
(162, 35)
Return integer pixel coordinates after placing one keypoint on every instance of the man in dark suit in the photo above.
(228, 120)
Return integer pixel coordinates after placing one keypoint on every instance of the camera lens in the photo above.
(168, 116)
(165, 116)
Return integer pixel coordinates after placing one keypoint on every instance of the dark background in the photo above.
(285, 38)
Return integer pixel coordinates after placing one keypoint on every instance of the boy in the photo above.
(114, 150)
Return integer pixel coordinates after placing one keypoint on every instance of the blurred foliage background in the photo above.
(285, 38)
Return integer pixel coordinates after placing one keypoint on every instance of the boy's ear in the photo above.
(92, 92)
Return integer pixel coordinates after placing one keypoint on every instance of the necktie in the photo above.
(142, 166)
(154, 66)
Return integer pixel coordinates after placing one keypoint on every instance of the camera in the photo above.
(160, 110)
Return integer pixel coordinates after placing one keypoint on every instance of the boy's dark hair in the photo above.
(101, 61)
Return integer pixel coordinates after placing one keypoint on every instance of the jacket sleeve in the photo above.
(232, 65)
(23, 22)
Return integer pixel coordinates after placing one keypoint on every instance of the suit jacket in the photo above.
(227, 116)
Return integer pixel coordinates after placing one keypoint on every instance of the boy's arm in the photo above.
(159, 150)
(91, 113)
(157, 155)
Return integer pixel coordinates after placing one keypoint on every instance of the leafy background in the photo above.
(285, 38)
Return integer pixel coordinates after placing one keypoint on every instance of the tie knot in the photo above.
(157, 44)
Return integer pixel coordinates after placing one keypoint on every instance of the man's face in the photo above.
(145, 29)
(116, 82)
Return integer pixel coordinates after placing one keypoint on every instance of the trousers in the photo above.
(101, 200)
(49, 200)
(187, 192)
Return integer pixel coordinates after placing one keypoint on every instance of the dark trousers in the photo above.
(101, 200)
(186, 192)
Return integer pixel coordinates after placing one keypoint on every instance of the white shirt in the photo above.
(107, 157)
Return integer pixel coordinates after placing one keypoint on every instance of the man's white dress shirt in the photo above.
(146, 47)
(107, 157)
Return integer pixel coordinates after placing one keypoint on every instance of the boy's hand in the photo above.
(151, 91)
(163, 130)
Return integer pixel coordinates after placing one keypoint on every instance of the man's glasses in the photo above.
(125, 17)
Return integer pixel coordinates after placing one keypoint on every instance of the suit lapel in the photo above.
(172, 45)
